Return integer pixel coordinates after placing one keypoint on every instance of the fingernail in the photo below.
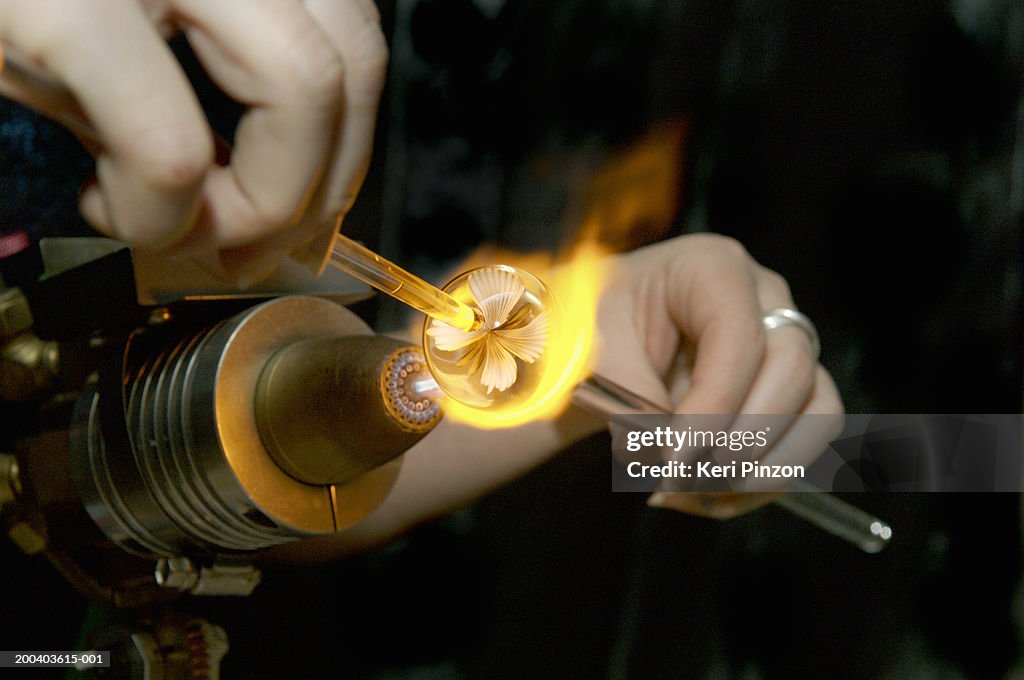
(93, 210)
(658, 499)
(314, 253)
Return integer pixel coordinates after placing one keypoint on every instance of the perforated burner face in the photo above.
(407, 384)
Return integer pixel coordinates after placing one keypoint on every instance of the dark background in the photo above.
(871, 152)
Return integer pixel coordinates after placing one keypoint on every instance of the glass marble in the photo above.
(499, 363)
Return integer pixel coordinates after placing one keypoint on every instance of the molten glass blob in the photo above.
(500, 363)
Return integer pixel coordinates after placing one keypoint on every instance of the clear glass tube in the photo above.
(830, 513)
(364, 264)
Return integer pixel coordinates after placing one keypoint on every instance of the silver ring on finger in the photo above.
(784, 316)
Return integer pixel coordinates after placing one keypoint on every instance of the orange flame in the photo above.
(631, 200)
(576, 284)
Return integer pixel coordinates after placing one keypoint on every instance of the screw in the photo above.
(176, 572)
(159, 315)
